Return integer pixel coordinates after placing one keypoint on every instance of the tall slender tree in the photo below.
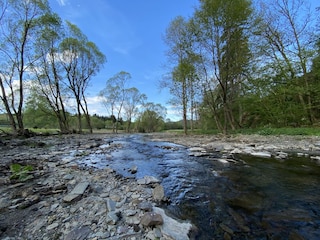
(81, 59)
(183, 77)
(114, 95)
(48, 69)
(221, 29)
(19, 27)
(134, 100)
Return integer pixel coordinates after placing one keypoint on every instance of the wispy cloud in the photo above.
(62, 2)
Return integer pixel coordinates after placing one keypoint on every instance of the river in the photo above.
(236, 196)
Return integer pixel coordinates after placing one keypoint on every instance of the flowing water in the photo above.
(244, 197)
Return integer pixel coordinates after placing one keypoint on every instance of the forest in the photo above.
(232, 65)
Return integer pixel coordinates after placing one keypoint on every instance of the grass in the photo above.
(302, 131)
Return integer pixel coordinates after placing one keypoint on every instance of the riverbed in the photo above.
(224, 194)
(236, 187)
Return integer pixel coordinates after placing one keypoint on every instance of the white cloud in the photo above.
(62, 2)
(173, 113)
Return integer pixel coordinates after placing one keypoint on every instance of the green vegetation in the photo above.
(21, 173)
(240, 65)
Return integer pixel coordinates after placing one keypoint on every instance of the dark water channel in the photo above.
(244, 197)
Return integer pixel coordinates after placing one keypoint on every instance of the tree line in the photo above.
(242, 64)
(53, 61)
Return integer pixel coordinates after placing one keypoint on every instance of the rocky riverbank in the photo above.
(264, 146)
(65, 201)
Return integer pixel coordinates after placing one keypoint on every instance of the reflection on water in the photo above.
(255, 198)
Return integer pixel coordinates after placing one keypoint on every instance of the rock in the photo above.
(79, 233)
(145, 206)
(197, 149)
(158, 193)
(281, 155)
(198, 152)
(133, 169)
(239, 220)
(226, 228)
(4, 203)
(251, 203)
(29, 201)
(147, 180)
(173, 229)
(68, 177)
(151, 219)
(141, 181)
(130, 212)
(76, 192)
(113, 217)
(111, 205)
(132, 220)
(52, 226)
(261, 154)
(4, 180)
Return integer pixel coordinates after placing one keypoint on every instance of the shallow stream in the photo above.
(244, 197)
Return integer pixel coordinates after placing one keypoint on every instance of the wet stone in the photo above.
(151, 219)
(158, 193)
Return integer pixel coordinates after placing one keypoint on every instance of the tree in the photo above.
(48, 70)
(81, 60)
(286, 33)
(183, 75)
(134, 100)
(152, 118)
(221, 31)
(38, 113)
(19, 26)
(114, 95)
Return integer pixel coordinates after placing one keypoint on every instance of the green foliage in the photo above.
(21, 173)
(269, 131)
(98, 122)
(150, 121)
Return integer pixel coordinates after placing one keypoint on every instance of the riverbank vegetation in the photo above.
(246, 64)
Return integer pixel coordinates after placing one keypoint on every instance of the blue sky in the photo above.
(130, 34)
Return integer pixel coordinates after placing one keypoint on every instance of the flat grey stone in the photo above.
(77, 192)
(111, 205)
(80, 188)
